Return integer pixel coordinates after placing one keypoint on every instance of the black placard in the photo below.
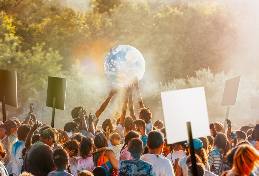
(8, 87)
(57, 89)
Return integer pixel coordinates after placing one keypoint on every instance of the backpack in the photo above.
(104, 162)
(222, 167)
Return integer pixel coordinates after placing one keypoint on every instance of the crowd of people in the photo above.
(127, 147)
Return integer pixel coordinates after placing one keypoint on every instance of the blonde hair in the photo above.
(26, 174)
(115, 136)
(85, 173)
(244, 160)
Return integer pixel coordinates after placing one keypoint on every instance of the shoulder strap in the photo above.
(104, 152)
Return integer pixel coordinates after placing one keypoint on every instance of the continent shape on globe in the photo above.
(122, 64)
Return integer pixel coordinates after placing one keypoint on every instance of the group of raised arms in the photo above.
(128, 146)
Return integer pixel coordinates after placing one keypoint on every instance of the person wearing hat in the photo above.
(39, 158)
(136, 166)
(182, 168)
(8, 141)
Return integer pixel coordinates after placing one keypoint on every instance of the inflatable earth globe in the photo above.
(122, 64)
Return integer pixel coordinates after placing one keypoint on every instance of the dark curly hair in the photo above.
(72, 145)
(221, 142)
(75, 111)
(145, 114)
(86, 147)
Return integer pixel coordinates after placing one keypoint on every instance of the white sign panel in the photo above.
(230, 91)
(181, 106)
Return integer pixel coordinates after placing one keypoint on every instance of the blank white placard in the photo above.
(181, 106)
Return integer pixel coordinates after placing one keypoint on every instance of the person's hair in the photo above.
(48, 134)
(241, 134)
(77, 136)
(9, 124)
(221, 142)
(200, 169)
(85, 147)
(128, 123)
(249, 138)
(72, 145)
(245, 128)
(70, 126)
(23, 132)
(210, 143)
(2, 151)
(99, 171)
(245, 156)
(85, 173)
(145, 150)
(26, 174)
(100, 140)
(135, 147)
(230, 156)
(205, 143)
(140, 123)
(163, 132)
(249, 132)
(155, 139)
(218, 127)
(115, 136)
(202, 154)
(107, 123)
(130, 135)
(35, 138)
(145, 114)
(44, 128)
(189, 159)
(158, 123)
(60, 157)
(75, 111)
(255, 133)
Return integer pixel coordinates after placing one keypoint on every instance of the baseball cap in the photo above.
(197, 143)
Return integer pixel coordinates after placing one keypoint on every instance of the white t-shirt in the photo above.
(16, 156)
(174, 156)
(161, 165)
(86, 164)
(149, 127)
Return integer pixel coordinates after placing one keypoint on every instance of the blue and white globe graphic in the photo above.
(122, 64)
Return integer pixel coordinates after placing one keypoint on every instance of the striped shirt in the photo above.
(215, 160)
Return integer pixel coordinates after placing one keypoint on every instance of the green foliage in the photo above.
(41, 38)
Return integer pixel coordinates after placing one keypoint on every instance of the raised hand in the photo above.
(113, 92)
(136, 82)
(90, 119)
(35, 126)
(31, 107)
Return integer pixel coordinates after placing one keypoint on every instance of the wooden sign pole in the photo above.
(3, 109)
(53, 112)
(225, 122)
(194, 165)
